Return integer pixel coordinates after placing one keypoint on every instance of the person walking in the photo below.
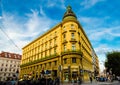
(91, 79)
(79, 80)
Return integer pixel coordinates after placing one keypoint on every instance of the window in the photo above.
(50, 51)
(15, 56)
(72, 26)
(5, 69)
(54, 50)
(45, 53)
(55, 33)
(64, 28)
(2, 64)
(55, 62)
(54, 41)
(65, 61)
(4, 74)
(64, 36)
(50, 43)
(9, 74)
(73, 47)
(45, 65)
(72, 35)
(49, 63)
(14, 65)
(1, 69)
(13, 70)
(46, 46)
(51, 36)
(41, 54)
(73, 60)
(9, 55)
(10, 69)
(64, 47)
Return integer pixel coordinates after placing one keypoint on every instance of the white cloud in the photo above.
(97, 29)
(89, 3)
(57, 3)
(108, 33)
(22, 32)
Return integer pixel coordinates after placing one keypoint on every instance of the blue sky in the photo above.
(25, 20)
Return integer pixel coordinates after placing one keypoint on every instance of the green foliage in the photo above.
(113, 62)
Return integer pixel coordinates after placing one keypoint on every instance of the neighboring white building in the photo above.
(9, 65)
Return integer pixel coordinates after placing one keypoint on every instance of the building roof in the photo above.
(10, 55)
(69, 13)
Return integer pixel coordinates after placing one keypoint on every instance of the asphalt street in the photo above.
(95, 83)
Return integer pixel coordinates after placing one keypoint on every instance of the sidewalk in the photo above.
(93, 83)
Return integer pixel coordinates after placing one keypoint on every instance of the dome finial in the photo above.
(69, 8)
(69, 13)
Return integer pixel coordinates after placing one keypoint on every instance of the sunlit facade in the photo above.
(64, 50)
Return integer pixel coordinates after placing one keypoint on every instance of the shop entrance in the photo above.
(74, 76)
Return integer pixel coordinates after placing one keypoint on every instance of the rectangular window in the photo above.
(64, 36)
(49, 63)
(73, 60)
(64, 28)
(65, 61)
(54, 41)
(41, 55)
(50, 51)
(46, 46)
(72, 26)
(50, 43)
(55, 50)
(72, 35)
(55, 33)
(55, 62)
(73, 47)
(45, 53)
(5, 69)
(9, 55)
(64, 47)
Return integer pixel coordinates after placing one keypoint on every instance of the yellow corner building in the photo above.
(64, 51)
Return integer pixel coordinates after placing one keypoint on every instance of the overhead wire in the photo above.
(1, 27)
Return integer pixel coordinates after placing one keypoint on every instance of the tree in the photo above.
(113, 62)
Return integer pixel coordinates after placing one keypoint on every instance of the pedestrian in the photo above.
(79, 80)
(91, 79)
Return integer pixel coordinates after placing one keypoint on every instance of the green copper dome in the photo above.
(69, 14)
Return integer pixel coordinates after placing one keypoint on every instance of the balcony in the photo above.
(69, 52)
(72, 30)
(73, 40)
(64, 41)
(39, 60)
(64, 32)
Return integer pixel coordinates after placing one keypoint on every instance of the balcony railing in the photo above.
(65, 41)
(39, 60)
(73, 40)
(71, 52)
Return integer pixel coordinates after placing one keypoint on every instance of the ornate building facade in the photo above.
(64, 51)
(9, 65)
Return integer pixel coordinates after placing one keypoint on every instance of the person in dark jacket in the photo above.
(8, 82)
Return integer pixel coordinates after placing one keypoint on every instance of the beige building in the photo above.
(9, 65)
(64, 50)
